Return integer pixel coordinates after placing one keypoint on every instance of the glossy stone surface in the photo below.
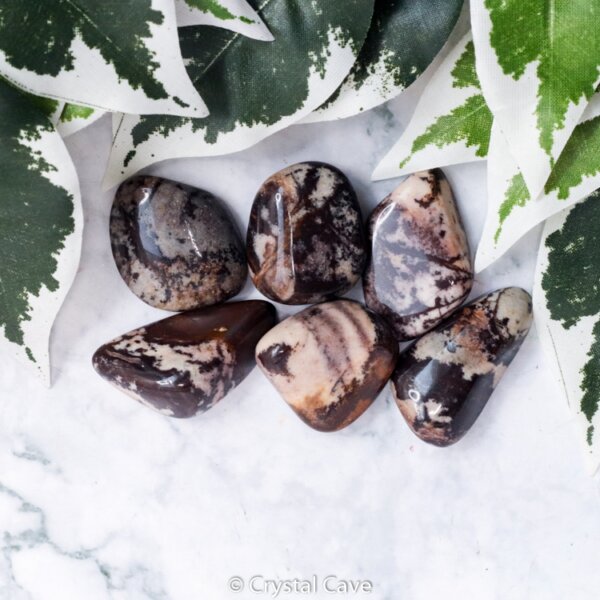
(305, 239)
(443, 381)
(175, 246)
(185, 364)
(420, 270)
(329, 362)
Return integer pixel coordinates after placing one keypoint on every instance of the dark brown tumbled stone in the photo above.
(305, 238)
(185, 364)
(420, 268)
(443, 381)
(329, 362)
(175, 246)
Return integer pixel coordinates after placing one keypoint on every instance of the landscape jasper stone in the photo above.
(305, 239)
(443, 381)
(329, 362)
(185, 364)
(420, 268)
(175, 246)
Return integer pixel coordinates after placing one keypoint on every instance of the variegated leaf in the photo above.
(403, 40)
(451, 124)
(316, 44)
(511, 211)
(235, 15)
(538, 62)
(74, 118)
(567, 308)
(121, 56)
(40, 227)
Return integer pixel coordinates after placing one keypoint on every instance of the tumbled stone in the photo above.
(443, 381)
(305, 238)
(175, 246)
(185, 364)
(329, 362)
(420, 268)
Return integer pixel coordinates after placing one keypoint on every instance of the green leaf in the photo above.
(471, 122)
(572, 280)
(114, 55)
(591, 383)
(511, 212)
(517, 195)
(562, 38)
(580, 159)
(539, 65)
(387, 64)
(74, 118)
(40, 224)
(235, 15)
(51, 108)
(45, 105)
(212, 6)
(459, 132)
(73, 111)
(252, 89)
(569, 293)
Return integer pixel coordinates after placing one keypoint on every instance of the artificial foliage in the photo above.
(211, 77)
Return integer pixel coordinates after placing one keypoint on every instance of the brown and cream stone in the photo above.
(329, 362)
(175, 246)
(185, 364)
(305, 240)
(443, 381)
(420, 268)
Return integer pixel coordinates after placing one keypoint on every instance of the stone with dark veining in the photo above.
(185, 364)
(443, 381)
(420, 268)
(175, 246)
(329, 362)
(306, 241)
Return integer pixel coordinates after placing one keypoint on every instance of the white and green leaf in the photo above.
(253, 89)
(403, 40)
(235, 15)
(40, 227)
(74, 118)
(451, 124)
(567, 308)
(538, 62)
(511, 211)
(121, 56)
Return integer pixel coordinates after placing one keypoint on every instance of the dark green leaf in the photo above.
(253, 88)
(36, 215)
(404, 38)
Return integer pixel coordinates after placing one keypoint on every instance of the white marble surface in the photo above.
(100, 498)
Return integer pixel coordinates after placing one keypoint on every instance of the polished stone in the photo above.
(175, 246)
(306, 241)
(185, 364)
(420, 268)
(329, 362)
(443, 381)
